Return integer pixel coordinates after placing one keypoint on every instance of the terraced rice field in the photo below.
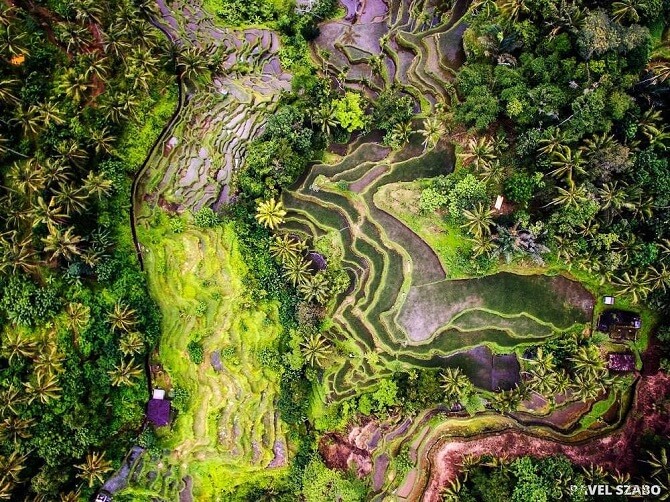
(401, 304)
(229, 431)
(415, 44)
(195, 161)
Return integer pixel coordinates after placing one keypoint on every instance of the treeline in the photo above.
(76, 79)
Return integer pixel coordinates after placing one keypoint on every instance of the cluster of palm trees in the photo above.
(21, 348)
(290, 251)
(562, 485)
(123, 320)
(611, 255)
(587, 380)
(50, 186)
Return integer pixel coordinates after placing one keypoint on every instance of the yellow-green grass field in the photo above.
(226, 435)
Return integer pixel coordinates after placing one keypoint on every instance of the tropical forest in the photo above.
(334, 250)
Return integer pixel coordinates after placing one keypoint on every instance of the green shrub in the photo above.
(196, 351)
(206, 218)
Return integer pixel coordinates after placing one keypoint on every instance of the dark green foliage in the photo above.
(391, 108)
(321, 483)
(280, 155)
(418, 389)
(195, 351)
(293, 401)
(25, 303)
(524, 479)
(520, 187)
(205, 218)
(78, 132)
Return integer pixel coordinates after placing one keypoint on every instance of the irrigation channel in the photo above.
(401, 305)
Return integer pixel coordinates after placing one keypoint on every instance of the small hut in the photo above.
(620, 324)
(158, 412)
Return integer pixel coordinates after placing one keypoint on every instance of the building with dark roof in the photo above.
(620, 324)
(621, 361)
(158, 412)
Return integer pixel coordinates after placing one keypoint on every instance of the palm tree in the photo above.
(71, 497)
(315, 289)
(588, 360)
(452, 492)
(10, 400)
(543, 361)
(131, 343)
(627, 9)
(659, 462)
(542, 381)
(566, 164)
(505, 401)
(44, 387)
(62, 244)
(71, 197)
(586, 388)
(659, 277)
(48, 113)
(96, 66)
(7, 95)
(594, 474)
(11, 40)
(573, 196)
(511, 9)
(27, 118)
(78, 317)
(26, 177)
(12, 465)
(400, 133)
(49, 360)
(483, 244)
(297, 270)
(467, 463)
(125, 373)
(51, 215)
(16, 428)
(325, 118)
(635, 284)
(433, 130)
(270, 213)
(650, 124)
(284, 247)
(487, 7)
(191, 63)
(315, 348)
(480, 152)
(6, 488)
(122, 317)
(455, 384)
(16, 344)
(101, 140)
(478, 220)
(660, 69)
(97, 185)
(93, 468)
(19, 255)
(75, 85)
(554, 141)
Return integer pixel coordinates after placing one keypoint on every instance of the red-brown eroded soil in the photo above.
(339, 453)
(617, 451)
